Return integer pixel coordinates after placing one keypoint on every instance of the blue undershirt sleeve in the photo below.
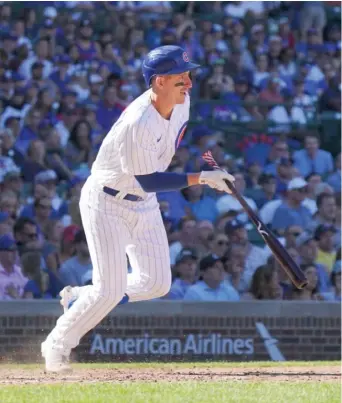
(162, 181)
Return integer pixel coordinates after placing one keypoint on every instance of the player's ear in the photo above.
(159, 81)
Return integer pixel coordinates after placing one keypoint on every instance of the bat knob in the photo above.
(302, 284)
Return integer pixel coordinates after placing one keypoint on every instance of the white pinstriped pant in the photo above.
(114, 228)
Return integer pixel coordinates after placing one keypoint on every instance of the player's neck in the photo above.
(162, 106)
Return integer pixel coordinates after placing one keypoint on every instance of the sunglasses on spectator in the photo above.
(221, 242)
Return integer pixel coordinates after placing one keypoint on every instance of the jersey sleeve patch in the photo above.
(180, 134)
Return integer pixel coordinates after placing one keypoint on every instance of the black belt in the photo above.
(114, 192)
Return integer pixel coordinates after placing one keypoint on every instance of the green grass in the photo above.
(194, 392)
(239, 391)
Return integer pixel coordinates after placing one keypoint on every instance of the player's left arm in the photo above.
(166, 181)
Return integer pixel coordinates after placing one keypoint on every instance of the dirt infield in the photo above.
(19, 376)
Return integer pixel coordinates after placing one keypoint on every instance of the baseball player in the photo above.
(118, 204)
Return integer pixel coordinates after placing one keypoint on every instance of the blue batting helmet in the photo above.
(166, 60)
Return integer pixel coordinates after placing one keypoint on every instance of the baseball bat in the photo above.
(292, 270)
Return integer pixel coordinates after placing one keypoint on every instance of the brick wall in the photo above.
(227, 331)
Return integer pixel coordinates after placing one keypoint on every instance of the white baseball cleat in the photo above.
(55, 361)
(66, 298)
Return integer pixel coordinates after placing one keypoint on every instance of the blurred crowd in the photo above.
(68, 70)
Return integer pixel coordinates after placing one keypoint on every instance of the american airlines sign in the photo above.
(192, 344)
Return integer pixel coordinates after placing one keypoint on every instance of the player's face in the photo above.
(176, 86)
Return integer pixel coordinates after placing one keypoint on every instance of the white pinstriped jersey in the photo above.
(140, 142)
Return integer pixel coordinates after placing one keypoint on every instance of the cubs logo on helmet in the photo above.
(185, 57)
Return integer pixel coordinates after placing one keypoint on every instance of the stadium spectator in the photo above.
(73, 269)
(291, 211)
(253, 172)
(234, 265)
(310, 291)
(199, 205)
(279, 149)
(284, 174)
(186, 238)
(328, 214)
(35, 161)
(254, 255)
(40, 210)
(67, 246)
(37, 285)
(219, 245)
(211, 286)
(312, 159)
(266, 191)
(264, 285)
(12, 280)
(326, 254)
(25, 232)
(228, 202)
(185, 274)
(308, 250)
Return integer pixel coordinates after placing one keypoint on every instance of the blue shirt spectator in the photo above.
(176, 204)
(291, 211)
(212, 287)
(266, 192)
(312, 159)
(185, 270)
(73, 270)
(178, 289)
(201, 206)
(202, 292)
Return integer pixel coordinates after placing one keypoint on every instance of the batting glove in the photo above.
(216, 180)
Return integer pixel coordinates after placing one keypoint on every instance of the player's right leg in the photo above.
(107, 237)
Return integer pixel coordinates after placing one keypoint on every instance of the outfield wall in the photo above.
(167, 330)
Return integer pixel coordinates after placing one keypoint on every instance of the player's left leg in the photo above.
(149, 257)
